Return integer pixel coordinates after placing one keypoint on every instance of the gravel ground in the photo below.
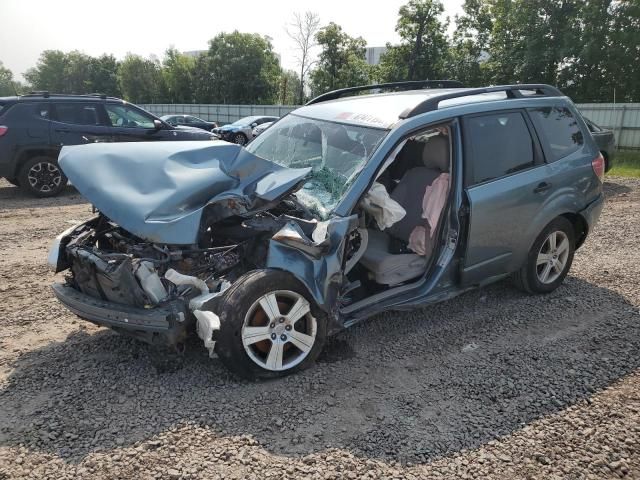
(492, 384)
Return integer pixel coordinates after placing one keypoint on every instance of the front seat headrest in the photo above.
(436, 153)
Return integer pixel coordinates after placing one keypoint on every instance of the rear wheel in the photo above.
(549, 259)
(41, 176)
(269, 326)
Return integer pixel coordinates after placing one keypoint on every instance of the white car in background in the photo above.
(261, 128)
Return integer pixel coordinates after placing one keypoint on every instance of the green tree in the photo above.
(103, 75)
(178, 73)
(77, 73)
(607, 56)
(49, 72)
(237, 68)
(341, 62)
(422, 53)
(288, 89)
(468, 50)
(74, 72)
(140, 79)
(7, 85)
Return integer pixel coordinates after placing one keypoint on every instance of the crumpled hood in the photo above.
(159, 190)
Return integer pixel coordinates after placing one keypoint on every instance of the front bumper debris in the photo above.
(167, 324)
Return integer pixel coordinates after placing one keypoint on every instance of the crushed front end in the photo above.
(144, 289)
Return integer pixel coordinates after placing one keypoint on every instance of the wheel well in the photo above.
(580, 227)
(28, 154)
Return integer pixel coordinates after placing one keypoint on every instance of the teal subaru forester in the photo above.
(382, 197)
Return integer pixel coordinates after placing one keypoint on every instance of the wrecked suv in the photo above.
(351, 205)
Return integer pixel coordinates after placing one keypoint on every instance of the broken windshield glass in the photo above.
(336, 152)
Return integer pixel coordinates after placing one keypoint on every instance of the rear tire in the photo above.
(42, 177)
(269, 326)
(549, 259)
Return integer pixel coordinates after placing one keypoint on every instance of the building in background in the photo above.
(194, 53)
(373, 54)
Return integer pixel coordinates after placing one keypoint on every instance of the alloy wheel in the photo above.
(552, 257)
(279, 331)
(44, 177)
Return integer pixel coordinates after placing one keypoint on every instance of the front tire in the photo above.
(240, 139)
(269, 326)
(549, 259)
(42, 177)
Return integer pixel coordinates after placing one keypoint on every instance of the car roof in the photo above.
(383, 110)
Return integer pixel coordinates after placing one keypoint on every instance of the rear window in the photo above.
(561, 134)
(496, 145)
(77, 113)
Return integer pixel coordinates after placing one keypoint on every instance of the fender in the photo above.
(317, 265)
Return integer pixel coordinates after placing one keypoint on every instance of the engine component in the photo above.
(150, 282)
(180, 279)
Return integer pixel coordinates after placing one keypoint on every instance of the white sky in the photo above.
(149, 27)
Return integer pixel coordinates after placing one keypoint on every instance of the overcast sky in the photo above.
(148, 27)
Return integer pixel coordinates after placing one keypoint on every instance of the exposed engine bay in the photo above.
(109, 263)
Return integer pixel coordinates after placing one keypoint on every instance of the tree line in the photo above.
(588, 48)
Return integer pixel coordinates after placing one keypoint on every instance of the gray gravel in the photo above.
(492, 384)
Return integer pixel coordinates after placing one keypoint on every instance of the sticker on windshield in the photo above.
(362, 118)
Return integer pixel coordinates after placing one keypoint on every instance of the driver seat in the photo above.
(391, 269)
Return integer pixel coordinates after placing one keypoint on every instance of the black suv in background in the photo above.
(34, 127)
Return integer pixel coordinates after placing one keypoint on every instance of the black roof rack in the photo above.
(46, 94)
(409, 85)
(37, 93)
(512, 91)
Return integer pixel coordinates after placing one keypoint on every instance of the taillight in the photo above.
(3, 130)
(598, 166)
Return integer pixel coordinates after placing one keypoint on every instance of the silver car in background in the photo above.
(261, 128)
(241, 131)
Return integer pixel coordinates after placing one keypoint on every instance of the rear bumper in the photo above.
(167, 325)
(592, 211)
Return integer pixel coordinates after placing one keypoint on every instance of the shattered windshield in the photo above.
(336, 152)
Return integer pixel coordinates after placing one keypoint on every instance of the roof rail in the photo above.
(512, 91)
(37, 93)
(46, 94)
(408, 85)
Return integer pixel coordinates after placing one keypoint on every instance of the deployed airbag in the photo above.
(158, 190)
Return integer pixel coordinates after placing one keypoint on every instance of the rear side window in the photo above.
(77, 113)
(561, 134)
(496, 145)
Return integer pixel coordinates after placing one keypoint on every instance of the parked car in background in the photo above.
(34, 127)
(241, 131)
(344, 208)
(261, 128)
(189, 121)
(606, 141)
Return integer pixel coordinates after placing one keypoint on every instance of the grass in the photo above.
(626, 163)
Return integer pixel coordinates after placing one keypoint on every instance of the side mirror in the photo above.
(157, 124)
(254, 125)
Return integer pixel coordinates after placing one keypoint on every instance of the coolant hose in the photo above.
(180, 279)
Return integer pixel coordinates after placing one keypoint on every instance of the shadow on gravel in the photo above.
(402, 386)
(613, 189)
(14, 198)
